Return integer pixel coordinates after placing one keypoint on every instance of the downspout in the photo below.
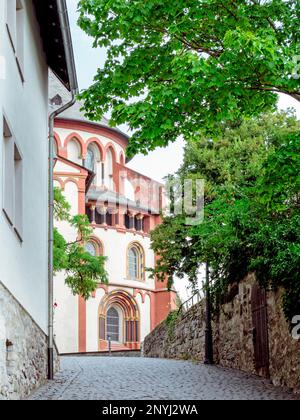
(65, 28)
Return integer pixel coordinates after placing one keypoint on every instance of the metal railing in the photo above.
(188, 304)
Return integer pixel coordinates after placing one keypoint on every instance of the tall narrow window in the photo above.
(135, 262)
(74, 151)
(113, 325)
(93, 162)
(90, 160)
(102, 173)
(109, 170)
(15, 26)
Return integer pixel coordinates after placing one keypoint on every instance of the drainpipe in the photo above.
(65, 28)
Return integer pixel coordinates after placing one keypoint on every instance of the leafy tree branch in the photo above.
(187, 67)
(83, 271)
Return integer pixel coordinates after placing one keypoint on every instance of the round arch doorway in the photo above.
(119, 319)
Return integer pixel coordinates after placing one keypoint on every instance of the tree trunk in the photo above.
(295, 96)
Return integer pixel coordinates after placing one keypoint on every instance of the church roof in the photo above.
(108, 196)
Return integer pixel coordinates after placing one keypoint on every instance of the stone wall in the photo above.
(186, 341)
(233, 345)
(232, 336)
(23, 350)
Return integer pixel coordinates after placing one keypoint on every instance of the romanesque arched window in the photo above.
(113, 325)
(135, 262)
(90, 161)
(93, 162)
(94, 247)
(109, 169)
(120, 306)
(74, 151)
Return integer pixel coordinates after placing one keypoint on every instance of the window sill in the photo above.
(136, 280)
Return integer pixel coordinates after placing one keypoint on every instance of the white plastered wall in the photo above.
(23, 268)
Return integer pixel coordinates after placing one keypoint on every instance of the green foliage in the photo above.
(185, 67)
(83, 271)
(252, 211)
(170, 322)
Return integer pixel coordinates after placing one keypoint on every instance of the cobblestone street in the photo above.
(122, 378)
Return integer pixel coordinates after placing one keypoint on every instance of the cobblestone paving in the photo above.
(124, 378)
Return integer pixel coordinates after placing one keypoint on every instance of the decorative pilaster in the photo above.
(103, 212)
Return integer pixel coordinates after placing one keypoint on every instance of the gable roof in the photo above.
(53, 20)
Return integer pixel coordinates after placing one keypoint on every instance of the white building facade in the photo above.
(24, 62)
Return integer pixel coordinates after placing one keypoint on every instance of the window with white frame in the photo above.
(13, 181)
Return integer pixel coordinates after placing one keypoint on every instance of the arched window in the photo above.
(90, 247)
(133, 261)
(90, 159)
(136, 262)
(113, 325)
(94, 247)
(74, 151)
(93, 162)
(109, 169)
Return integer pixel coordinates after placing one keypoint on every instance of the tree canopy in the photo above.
(186, 67)
(83, 270)
(252, 210)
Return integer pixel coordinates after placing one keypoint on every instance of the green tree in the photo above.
(187, 66)
(252, 211)
(83, 271)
